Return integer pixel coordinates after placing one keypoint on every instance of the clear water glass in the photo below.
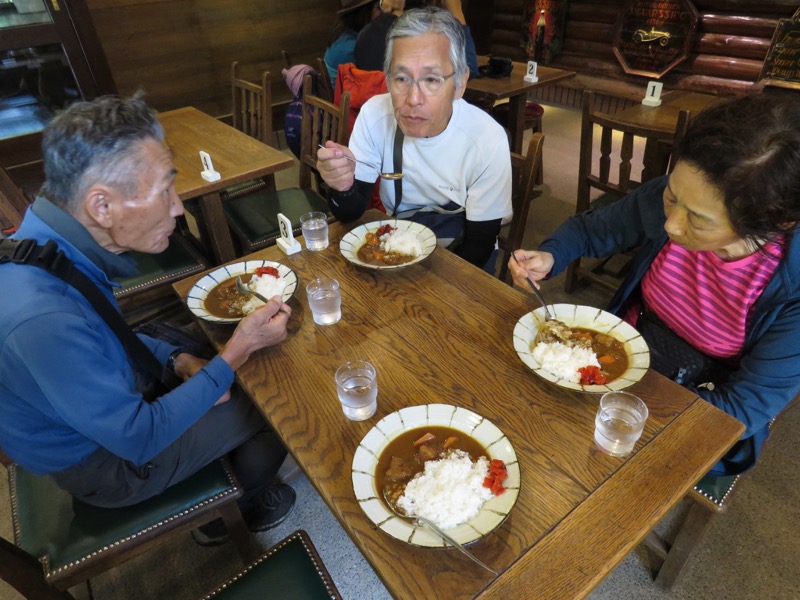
(619, 422)
(325, 300)
(357, 386)
(314, 226)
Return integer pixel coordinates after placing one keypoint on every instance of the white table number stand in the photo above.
(530, 73)
(286, 242)
(208, 173)
(653, 95)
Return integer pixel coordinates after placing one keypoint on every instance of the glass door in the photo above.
(44, 67)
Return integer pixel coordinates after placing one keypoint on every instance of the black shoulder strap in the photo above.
(53, 260)
(397, 157)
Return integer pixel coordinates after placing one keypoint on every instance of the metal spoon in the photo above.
(446, 537)
(389, 176)
(536, 292)
(243, 289)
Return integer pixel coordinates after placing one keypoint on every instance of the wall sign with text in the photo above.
(652, 36)
(782, 64)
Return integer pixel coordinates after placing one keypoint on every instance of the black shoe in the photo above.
(272, 508)
(211, 534)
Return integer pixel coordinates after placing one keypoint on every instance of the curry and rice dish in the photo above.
(578, 354)
(226, 302)
(389, 246)
(438, 473)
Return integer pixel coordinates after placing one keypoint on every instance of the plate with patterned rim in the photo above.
(590, 318)
(354, 239)
(365, 461)
(196, 300)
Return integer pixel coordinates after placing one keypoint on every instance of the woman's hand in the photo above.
(339, 173)
(265, 326)
(533, 265)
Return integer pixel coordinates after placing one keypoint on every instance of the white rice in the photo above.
(266, 285)
(401, 242)
(563, 361)
(449, 491)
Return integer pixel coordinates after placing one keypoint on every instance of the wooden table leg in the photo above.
(216, 228)
(516, 121)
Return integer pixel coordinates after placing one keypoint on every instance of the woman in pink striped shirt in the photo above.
(718, 262)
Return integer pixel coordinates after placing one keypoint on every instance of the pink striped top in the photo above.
(705, 299)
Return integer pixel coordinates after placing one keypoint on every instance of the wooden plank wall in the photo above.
(732, 40)
(180, 51)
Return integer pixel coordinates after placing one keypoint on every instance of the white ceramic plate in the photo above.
(365, 461)
(591, 318)
(196, 301)
(353, 240)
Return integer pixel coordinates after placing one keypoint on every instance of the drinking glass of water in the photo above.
(619, 422)
(357, 386)
(315, 230)
(325, 300)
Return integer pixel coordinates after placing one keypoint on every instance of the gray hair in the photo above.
(420, 21)
(94, 143)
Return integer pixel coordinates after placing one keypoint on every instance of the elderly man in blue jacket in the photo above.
(69, 399)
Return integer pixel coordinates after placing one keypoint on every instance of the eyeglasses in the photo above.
(429, 85)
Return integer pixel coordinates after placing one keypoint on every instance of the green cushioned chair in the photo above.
(595, 172)
(290, 569)
(709, 497)
(252, 209)
(150, 291)
(75, 541)
(253, 217)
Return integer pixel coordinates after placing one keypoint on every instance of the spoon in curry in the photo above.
(446, 537)
(389, 176)
(536, 292)
(243, 289)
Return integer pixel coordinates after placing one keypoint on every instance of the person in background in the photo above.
(718, 264)
(352, 18)
(455, 157)
(71, 404)
(370, 47)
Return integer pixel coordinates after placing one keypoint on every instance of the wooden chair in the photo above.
(252, 106)
(252, 212)
(140, 297)
(525, 170)
(709, 497)
(616, 143)
(61, 543)
(292, 566)
(325, 84)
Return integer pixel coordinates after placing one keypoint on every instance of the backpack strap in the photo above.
(50, 258)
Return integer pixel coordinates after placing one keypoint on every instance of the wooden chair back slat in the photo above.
(615, 156)
(524, 173)
(322, 121)
(252, 105)
(13, 202)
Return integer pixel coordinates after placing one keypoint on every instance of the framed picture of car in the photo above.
(652, 36)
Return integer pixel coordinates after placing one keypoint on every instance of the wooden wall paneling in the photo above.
(180, 51)
(732, 41)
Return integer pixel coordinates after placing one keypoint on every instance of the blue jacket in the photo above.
(66, 386)
(768, 377)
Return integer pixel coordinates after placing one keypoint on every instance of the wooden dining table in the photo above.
(440, 331)
(485, 91)
(235, 155)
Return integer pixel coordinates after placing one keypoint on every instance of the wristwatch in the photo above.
(170, 366)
